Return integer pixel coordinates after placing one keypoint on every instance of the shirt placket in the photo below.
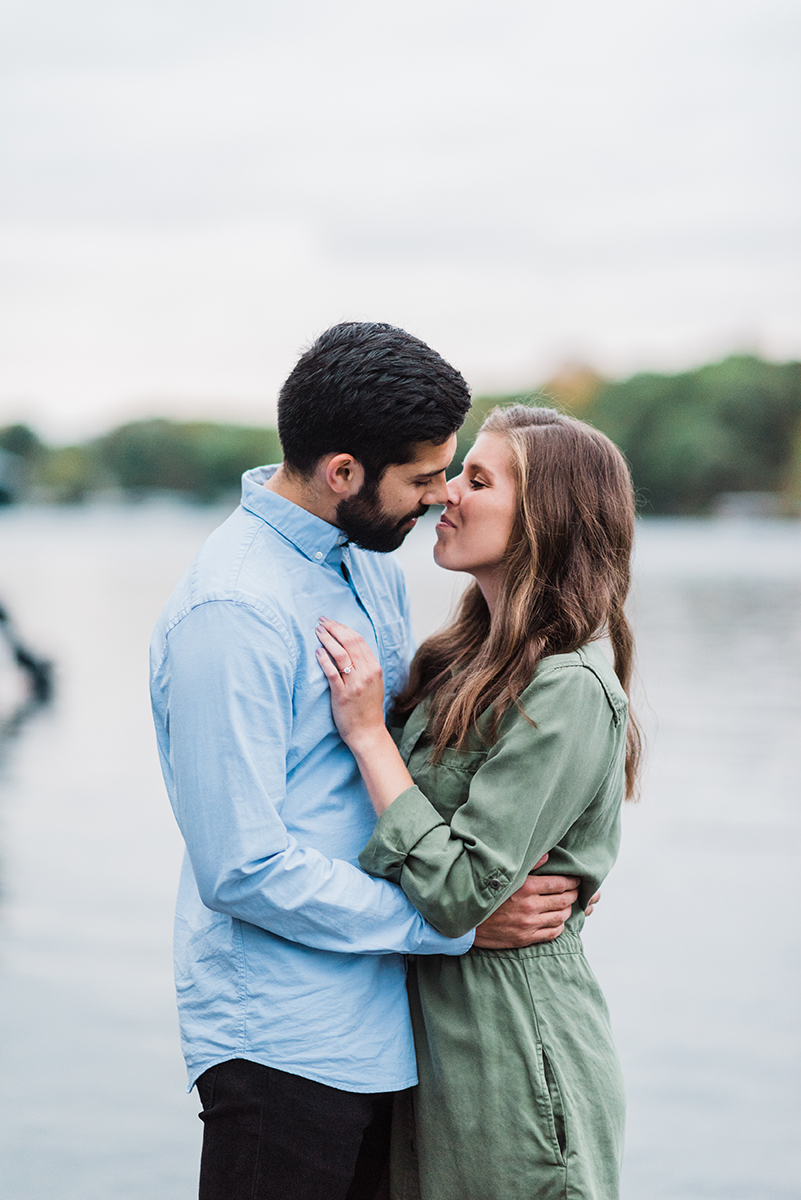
(358, 586)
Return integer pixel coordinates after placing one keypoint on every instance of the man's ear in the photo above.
(343, 474)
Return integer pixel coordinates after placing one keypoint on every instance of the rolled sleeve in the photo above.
(409, 819)
(537, 781)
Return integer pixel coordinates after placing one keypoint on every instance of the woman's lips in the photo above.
(444, 523)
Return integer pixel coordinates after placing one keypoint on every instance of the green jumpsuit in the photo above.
(520, 1095)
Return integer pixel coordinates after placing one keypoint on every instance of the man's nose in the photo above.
(437, 493)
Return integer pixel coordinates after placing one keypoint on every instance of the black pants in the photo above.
(273, 1136)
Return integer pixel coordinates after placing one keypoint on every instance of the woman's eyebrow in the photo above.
(477, 466)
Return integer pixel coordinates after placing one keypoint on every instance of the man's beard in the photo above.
(367, 524)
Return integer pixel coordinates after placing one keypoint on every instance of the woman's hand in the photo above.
(356, 681)
(357, 702)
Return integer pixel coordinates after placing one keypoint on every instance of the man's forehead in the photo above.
(430, 459)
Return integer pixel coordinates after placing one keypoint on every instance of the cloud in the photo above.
(192, 190)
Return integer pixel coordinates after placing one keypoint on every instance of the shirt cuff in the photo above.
(400, 827)
(451, 946)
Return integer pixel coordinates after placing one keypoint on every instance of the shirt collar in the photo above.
(313, 536)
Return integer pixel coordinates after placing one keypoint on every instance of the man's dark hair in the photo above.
(371, 390)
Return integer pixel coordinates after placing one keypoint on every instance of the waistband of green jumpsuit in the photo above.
(568, 942)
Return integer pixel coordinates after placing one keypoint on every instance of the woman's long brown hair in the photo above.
(566, 576)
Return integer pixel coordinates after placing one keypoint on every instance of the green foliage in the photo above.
(728, 427)
(20, 448)
(792, 485)
(20, 440)
(200, 458)
(733, 426)
(68, 473)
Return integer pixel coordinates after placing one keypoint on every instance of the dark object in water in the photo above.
(38, 670)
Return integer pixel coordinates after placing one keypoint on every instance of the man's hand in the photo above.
(535, 913)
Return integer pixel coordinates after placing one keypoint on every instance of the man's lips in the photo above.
(412, 518)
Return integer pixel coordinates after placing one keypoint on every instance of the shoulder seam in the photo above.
(242, 602)
(257, 531)
(618, 708)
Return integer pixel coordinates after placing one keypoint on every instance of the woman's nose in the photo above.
(453, 492)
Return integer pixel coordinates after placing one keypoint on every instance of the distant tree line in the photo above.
(199, 459)
(730, 427)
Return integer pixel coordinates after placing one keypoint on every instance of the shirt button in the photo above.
(318, 554)
(495, 884)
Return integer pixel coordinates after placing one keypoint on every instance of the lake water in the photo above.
(696, 941)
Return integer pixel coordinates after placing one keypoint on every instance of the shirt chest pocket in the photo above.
(447, 783)
(391, 640)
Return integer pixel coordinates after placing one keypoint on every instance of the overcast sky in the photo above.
(191, 190)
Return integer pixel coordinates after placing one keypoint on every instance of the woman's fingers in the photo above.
(355, 679)
(354, 662)
(353, 657)
(352, 643)
(346, 636)
(329, 667)
(337, 652)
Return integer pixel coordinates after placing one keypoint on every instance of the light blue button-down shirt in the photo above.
(285, 952)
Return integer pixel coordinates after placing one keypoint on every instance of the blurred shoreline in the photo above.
(723, 439)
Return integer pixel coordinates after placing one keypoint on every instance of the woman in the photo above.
(513, 741)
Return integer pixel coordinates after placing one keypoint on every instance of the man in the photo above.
(289, 966)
